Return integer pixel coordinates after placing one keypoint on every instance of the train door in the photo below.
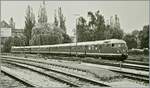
(99, 48)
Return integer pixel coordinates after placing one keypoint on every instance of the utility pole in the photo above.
(76, 33)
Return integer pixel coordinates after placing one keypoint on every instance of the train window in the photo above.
(112, 45)
(122, 44)
(92, 47)
(107, 45)
(95, 47)
(89, 47)
(116, 45)
(100, 46)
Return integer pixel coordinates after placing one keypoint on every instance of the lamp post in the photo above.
(76, 33)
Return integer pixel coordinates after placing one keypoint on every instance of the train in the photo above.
(111, 48)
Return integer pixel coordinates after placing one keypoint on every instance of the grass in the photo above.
(143, 58)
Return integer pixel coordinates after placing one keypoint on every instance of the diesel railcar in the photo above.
(112, 48)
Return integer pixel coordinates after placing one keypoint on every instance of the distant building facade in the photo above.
(7, 31)
(17, 32)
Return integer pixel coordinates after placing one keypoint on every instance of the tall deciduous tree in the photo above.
(29, 24)
(130, 40)
(100, 26)
(13, 41)
(97, 24)
(55, 19)
(12, 23)
(144, 37)
(115, 29)
(135, 33)
(92, 21)
(61, 20)
(83, 32)
(42, 15)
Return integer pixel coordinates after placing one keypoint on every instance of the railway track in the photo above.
(128, 74)
(138, 77)
(71, 84)
(136, 62)
(141, 77)
(56, 71)
(12, 75)
(126, 64)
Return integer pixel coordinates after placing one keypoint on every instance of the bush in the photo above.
(13, 41)
(135, 51)
(138, 52)
(146, 51)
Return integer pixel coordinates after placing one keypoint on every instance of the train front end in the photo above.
(122, 49)
(115, 49)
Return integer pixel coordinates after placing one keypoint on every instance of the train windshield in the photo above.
(118, 45)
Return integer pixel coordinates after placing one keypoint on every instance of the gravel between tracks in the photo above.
(42, 81)
(98, 73)
(119, 82)
(8, 82)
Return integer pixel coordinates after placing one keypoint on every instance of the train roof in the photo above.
(79, 43)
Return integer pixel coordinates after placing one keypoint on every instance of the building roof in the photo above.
(4, 24)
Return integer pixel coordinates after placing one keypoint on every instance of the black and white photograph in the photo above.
(74, 44)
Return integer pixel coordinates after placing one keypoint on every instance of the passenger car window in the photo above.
(92, 47)
(112, 45)
(100, 46)
(95, 47)
(89, 47)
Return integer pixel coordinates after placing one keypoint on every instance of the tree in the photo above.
(42, 15)
(55, 19)
(117, 33)
(117, 23)
(115, 30)
(135, 33)
(97, 24)
(96, 28)
(61, 20)
(13, 41)
(131, 41)
(144, 37)
(46, 34)
(92, 21)
(100, 26)
(114, 22)
(83, 31)
(7, 45)
(12, 23)
(108, 32)
(29, 23)
(66, 38)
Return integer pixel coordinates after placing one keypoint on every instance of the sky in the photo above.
(132, 14)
